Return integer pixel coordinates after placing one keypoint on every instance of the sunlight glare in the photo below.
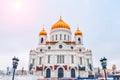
(17, 5)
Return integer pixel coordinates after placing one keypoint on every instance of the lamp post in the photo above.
(15, 64)
(104, 64)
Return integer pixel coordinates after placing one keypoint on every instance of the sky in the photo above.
(22, 20)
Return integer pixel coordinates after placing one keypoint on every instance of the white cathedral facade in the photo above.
(61, 57)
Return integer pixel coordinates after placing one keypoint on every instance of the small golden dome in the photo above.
(78, 32)
(60, 24)
(43, 32)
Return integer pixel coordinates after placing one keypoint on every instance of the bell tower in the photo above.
(42, 36)
(78, 37)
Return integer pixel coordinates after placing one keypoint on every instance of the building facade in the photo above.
(61, 57)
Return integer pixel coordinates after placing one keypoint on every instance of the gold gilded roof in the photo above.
(43, 32)
(60, 24)
(78, 32)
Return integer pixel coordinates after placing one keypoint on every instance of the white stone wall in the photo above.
(65, 50)
(62, 32)
(76, 39)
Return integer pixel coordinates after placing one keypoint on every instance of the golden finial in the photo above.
(77, 27)
(60, 17)
(43, 27)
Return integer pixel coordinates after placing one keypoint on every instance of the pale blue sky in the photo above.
(99, 20)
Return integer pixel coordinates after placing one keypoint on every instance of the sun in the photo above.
(17, 5)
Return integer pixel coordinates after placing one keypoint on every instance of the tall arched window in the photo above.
(73, 73)
(42, 40)
(72, 59)
(48, 58)
(79, 40)
(48, 73)
(60, 73)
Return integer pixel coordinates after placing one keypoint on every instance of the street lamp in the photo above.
(15, 64)
(104, 64)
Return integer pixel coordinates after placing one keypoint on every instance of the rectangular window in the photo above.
(72, 59)
(88, 61)
(56, 36)
(68, 37)
(48, 58)
(40, 60)
(33, 61)
(63, 58)
(80, 60)
(64, 37)
(60, 58)
(60, 36)
(57, 58)
(52, 37)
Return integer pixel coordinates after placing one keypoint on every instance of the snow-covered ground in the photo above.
(29, 77)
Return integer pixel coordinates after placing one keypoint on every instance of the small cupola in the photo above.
(43, 32)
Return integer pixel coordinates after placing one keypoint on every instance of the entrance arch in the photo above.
(48, 73)
(72, 73)
(60, 73)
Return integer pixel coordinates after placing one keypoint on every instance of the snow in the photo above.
(29, 77)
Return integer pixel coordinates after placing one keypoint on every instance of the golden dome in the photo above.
(60, 24)
(78, 32)
(43, 32)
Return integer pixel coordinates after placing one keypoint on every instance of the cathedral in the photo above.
(61, 56)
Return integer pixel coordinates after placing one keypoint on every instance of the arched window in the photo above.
(73, 73)
(41, 40)
(60, 73)
(48, 73)
(79, 40)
